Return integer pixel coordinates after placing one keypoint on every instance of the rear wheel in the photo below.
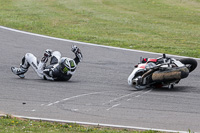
(191, 64)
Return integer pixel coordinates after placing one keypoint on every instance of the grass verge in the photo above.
(10, 124)
(164, 26)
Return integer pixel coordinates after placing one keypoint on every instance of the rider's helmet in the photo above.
(67, 65)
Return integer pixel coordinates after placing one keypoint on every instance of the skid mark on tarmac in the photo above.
(128, 95)
(121, 98)
(69, 98)
(144, 93)
(124, 97)
(113, 106)
(77, 96)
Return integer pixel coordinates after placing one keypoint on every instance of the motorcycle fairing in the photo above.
(134, 74)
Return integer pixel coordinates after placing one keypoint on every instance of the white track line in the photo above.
(77, 42)
(98, 124)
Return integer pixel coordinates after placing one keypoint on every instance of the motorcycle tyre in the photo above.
(189, 61)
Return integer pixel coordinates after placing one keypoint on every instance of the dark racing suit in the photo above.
(59, 69)
(54, 72)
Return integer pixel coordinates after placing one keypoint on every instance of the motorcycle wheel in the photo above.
(191, 64)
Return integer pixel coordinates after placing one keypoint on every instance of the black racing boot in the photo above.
(19, 71)
(22, 70)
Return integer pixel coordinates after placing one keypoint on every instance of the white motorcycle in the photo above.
(163, 71)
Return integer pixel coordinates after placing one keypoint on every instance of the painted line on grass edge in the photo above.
(98, 124)
(90, 44)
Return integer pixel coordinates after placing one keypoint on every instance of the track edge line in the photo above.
(90, 44)
(97, 124)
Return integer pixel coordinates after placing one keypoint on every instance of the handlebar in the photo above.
(164, 55)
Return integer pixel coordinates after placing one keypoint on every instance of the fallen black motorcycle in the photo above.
(163, 71)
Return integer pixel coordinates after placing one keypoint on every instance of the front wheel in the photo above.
(191, 64)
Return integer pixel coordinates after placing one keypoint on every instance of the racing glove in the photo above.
(47, 54)
(77, 52)
(74, 48)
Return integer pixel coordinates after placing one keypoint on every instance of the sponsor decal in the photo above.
(72, 64)
(65, 70)
(34, 65)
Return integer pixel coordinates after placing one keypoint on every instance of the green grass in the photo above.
(10, 125)
(164, 26)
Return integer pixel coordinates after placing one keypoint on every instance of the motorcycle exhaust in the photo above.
(135, 82)
(170, 75)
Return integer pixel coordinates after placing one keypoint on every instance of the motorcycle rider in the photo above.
(59, 69)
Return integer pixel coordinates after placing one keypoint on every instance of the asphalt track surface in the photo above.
(98, 92)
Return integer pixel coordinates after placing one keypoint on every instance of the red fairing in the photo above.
(142, 66)
(152, 60)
